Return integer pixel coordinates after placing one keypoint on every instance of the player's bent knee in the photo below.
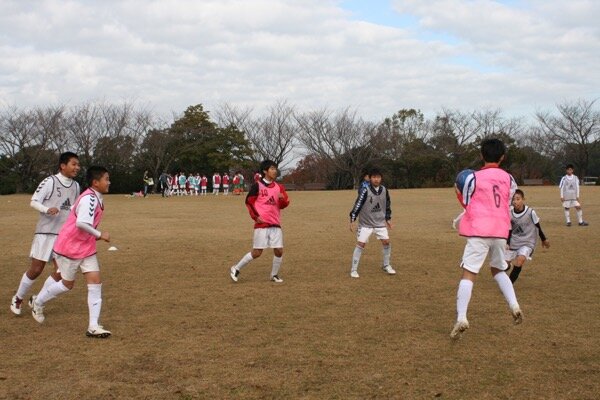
(68, 284)
(256, 253)
(278, 252)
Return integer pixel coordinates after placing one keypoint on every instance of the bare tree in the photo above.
(27, 138)
(272, 136)
(574, 133)
(342, 139)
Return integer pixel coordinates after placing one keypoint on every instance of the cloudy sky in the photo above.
(377, 56)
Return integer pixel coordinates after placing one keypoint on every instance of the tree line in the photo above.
(327, 146)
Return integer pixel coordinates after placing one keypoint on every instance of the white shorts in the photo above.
(524, 251)
(225, 186)
(68, 266)
(571, 204)
(216, 186)
(265, 238)
(476, 252)
(41, 247)
(363, 233)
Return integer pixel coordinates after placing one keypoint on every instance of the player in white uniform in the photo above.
(53, 199)
(525, 227)
(569, 195)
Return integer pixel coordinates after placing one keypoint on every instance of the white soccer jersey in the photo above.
(52, 192)
(569, 187)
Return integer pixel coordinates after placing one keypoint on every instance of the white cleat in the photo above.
(517, 315)
(233, 273)
(98, 332)
(276, 278)
(31, 300)
(15, 305)
(459, 328)
(354, 274)
(389, 270)
(37, 312)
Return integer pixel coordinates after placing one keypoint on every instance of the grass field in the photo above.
(183, 330)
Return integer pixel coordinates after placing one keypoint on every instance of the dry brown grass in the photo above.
(183, 330)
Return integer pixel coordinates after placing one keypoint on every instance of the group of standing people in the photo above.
(179, 184)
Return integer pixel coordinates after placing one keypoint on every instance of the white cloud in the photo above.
(171, 54)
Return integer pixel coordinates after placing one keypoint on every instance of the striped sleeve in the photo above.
(358, 204)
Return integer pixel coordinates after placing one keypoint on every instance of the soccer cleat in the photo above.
(583, 223)
(37, 312)
(276, 278)
(354, 274)
(31, 300)
(459, 328)
(98, 332)
(517, 315)
(389, 270)
(234, 274)
(568, 224)
(15, 305)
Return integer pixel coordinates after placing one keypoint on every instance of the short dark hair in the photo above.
(569, 166)
(520, 193)
(65, 157)
(265, 165)
(375, 171)
(492, 150)
(95, 172)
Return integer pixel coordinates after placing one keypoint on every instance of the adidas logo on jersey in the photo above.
(377, 208)
(66, 205)
(517, 230)
(271, 201)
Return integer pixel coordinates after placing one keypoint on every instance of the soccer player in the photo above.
(191, 184)
(203, 184)
(486, 197)
(242, 188)
(75, 248)
(163, 181)
(53, 199)
(236, 184)
(216, 182)
(569, 195)
(265, 200)
(197, 184)
(525, 226)
(373, 210)
(225, 182)
(175, 184)
(182, 183)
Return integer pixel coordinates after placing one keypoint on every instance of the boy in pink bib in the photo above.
(75, 248)
(486, 197)
(265, 200)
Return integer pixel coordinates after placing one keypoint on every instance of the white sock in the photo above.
(244, 261)
(463, 296)
(580, 216)
(50, 292)
(387, 252)
(356, 257)
(507, 289)
(276, 265)
(94, 303)
(24, 286)
(568, 216)
(49, 281)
